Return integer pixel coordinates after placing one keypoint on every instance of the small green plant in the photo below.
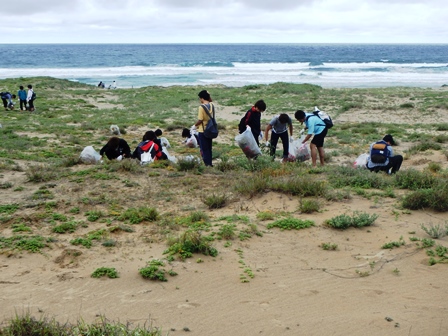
(105, 271)
(329, 246)
(359, 219)
(20, 227)
(309, 206)
(227, 232)
(396, 271)
(154, 271)
(26, 243)
(434, 231)
(215, 201)
(189, 242)
(265, 215)
(66, 227)
(94, 215)
(362, 274)
(394, 244)
(291, 223)
(138, 215)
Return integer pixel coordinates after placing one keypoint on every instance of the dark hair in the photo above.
(205, 95)
(150, 135)
(113, 142)
(21, 87)
(29, 86)
(283, 118)
(186, 133)
(299, 115)
(158, 132)
(13, 96)
(388, 138)
(261, 105)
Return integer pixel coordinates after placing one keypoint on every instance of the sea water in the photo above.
(138, 65)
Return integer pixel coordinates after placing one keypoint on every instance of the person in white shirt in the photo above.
(30, 98)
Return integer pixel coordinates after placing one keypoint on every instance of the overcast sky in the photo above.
(225, 21)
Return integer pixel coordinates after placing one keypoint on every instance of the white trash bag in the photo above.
(89, 155)
(247, 143)
(303, 152)
(361, 161)
(170, 157)
(164, 142)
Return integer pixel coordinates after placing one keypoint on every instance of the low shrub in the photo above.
(105, 271)
(359, 219)
(291, 223)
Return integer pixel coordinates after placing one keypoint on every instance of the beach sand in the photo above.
(297, 289)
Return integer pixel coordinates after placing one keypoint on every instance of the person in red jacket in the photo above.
(149, 140)
(252, 118)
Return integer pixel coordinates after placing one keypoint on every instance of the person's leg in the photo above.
(5, 103)
(274, 141)
(205, 144)
(31, 105)
(285, 143)
(321, 155)
(313, 149)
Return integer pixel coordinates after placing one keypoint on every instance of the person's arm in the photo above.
(290, 129)
(307, 137)
(266, 132)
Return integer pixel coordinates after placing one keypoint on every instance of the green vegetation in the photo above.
(291, 223)
(105, 271)
(357, 220)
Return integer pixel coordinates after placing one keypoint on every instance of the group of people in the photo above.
(102, 85)
(381, 156)
(118, 149)
(26, 99)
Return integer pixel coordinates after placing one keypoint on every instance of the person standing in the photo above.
(382, 156)
(316, 127)
(279, 125)
(252, 118)
(30, 98)
(22, 97)
(205, 144)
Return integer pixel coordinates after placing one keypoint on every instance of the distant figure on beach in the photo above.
(116, 148)
(252, 119)
(31, 96)
(101, 85)
(114, 85)
(22, 97)
(279, 125)
(149, 143)
(315, 127)
(382, 156)
(7, 100)
(205, 144)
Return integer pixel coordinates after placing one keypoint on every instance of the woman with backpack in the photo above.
(31, 96)
(205, 143)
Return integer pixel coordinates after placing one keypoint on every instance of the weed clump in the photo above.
(105, 271)
(359, 219)
(291, 223)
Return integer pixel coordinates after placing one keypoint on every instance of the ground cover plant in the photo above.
(54, 206)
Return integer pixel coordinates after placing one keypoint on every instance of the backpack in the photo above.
(33, 96)
(211, 129)
(243, 122)
(322, 116)
(379, 152)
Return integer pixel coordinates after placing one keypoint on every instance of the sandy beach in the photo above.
(297, 288)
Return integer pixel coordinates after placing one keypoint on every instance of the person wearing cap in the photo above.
(382, 156)
(205, 144)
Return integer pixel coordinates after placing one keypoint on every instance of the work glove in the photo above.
(193, 128)
(120, 158)
(291, 139)
(268, 144)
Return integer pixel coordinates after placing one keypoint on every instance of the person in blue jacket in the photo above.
(7, 100)
(316, 127)
(382, 156)
(22, 97)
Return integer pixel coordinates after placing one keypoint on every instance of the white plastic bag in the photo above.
(247, 143)
(89, 155)
(164, 142)
(303, 152)
(170, 157)
(361, 161)
(192, 142)
(294, 149)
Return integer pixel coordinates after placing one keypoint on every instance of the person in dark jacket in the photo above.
(116, 148)
(252, 118)
(7, 100)
(382, 156)
(149, 139)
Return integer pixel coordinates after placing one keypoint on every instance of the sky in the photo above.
(225, 21)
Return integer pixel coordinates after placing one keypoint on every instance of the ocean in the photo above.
(138, 65)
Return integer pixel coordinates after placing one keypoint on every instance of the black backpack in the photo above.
(379, 152)
(33, 96)
(211, 129)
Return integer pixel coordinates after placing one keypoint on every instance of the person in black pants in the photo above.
(279, 125)
(382, 156)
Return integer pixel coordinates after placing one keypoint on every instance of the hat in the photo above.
(388, 138)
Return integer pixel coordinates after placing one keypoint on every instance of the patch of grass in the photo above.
(105, 271)
(20, 227)
(309, 206)
(70, 227)
(435, 231)
(8, 209)
(140, 214)
(227, 232)
(32, 244)
(154, 271)
(329, 246)
(265, 215)
(94, 215)
(291, 223)
(394, 244)
(358, 219)
(439, 255)
(41, 173)
(215, 201)
(189, 242)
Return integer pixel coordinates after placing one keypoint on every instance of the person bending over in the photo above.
(382, 156)
(116, 148)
